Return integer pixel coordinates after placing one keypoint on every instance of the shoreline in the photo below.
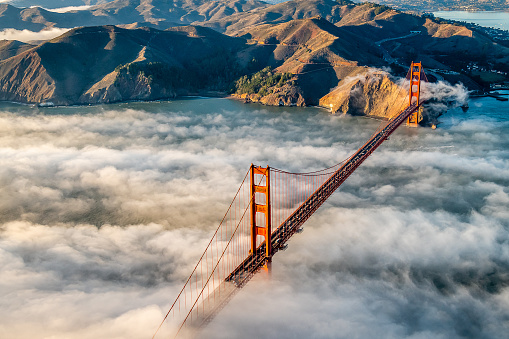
(50, 104)
(223, 95)
(474, 10)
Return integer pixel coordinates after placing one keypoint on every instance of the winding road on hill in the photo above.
(387, 57)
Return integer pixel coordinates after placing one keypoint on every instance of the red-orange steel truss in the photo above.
(263, 207)
(414, 93)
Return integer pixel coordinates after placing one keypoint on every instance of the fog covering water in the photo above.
(104, 210)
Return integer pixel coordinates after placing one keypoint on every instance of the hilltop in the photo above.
(55, 3)
(322, 55)
(126, 64)
(419, 6)
(317, 53)
(10, 48)
(283, 12)
(154, 13)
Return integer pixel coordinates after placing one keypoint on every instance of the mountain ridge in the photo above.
(87, 55)
(308, 56)
(160, 14)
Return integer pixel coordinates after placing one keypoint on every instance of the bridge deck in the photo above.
(291, 225)
(208, 308)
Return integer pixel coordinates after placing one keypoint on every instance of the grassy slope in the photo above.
(10, 48)
(72, 63)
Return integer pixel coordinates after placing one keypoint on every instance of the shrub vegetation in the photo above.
(261, 82)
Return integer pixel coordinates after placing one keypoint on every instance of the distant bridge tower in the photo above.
(414, 92)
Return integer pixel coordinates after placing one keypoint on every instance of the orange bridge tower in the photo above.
(415, 74)
(261, 226)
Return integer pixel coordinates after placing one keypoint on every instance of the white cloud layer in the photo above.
(104, 211)
(27, 36)
(68, 9)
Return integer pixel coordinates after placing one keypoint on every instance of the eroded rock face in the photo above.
(117, 87)
(373, 93)
(376, 93)
(285, 96)
(25, 79)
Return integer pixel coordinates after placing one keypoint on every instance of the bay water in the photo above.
(493, 19)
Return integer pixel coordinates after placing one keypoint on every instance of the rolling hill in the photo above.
(108, 63)
(313, 49)
(155, 13)
(54, 3)
(283, 12)
(318, 53)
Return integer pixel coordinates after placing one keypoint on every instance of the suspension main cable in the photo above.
(204, 253)
(313, 173)
(219, 259)
(378, 129)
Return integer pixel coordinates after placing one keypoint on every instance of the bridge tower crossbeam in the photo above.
(415, 73)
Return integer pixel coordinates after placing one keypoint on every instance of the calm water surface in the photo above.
(498, 20)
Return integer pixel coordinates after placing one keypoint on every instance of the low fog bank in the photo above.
(28, 36)
(414, 245)
(381, 273)
(440, 97)
(164, 169)
(68, 9)
(104, 211)
(82, 282)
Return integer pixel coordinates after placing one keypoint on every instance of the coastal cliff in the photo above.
(371, 93)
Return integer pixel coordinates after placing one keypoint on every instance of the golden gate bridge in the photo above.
(245, 240)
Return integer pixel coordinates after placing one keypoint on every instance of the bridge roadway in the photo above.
(290, 226)
(243, 273)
